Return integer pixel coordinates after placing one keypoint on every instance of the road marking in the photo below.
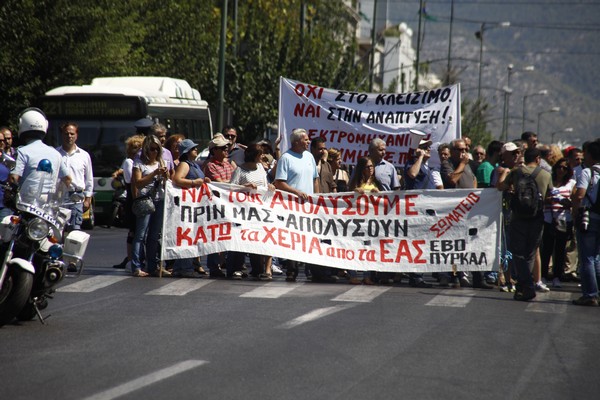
(362, 294)
(313, 316)
(451, 298)
(146, 380)
(552, 303)
(91, 284)
(180, 287)
(271, 291)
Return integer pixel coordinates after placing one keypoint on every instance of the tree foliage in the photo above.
(49, 43)
(473, 123)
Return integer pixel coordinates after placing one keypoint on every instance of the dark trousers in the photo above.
(235, 261)
(525, 238)
(554, 242)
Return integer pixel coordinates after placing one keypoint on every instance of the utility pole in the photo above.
(373, 44)
(221, 78)
(449, 43)
(418, 46)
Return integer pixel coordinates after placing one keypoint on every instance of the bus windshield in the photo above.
(103, 139)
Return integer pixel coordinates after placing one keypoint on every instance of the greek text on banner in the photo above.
(401, 231)
(350, 120)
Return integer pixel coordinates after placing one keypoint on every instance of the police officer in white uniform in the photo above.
(33, 126)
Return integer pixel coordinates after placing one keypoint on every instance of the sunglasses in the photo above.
(230, 136)
(153, 148)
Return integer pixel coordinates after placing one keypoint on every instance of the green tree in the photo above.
(48, 43)
(473, 122)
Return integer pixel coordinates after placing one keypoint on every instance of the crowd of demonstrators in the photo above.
(561, 242)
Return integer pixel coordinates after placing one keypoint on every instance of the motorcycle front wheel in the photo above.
(14, 293)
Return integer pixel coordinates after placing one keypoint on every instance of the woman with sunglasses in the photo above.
(149, 175)
(558, 222)
(188, 174)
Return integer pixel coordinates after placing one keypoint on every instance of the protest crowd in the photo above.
(550, 230)
(560, 242)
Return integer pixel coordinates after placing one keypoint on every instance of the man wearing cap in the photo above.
(142, 126)
(509, 157)
(217, 169)
(418, 175)
(297, 173)
(456, 173)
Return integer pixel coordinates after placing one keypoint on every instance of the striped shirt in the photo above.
(243, 176)
(219, 170)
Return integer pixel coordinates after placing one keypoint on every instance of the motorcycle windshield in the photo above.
(39, 194)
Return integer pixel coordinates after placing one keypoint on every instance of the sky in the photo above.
(558, 38)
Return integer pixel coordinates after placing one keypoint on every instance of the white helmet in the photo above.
(33, 119)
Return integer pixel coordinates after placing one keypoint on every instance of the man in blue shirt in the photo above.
(297, 174)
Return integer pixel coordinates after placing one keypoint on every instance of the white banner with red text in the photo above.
(401, 231)
(349, 121)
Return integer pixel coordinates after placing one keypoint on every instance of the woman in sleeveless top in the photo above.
(188, 174)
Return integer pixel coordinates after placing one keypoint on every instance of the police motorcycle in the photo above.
(34, 249)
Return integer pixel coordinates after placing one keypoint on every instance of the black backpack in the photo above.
(527, 200)
(594, 207)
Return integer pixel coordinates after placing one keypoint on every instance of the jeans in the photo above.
(589, 254)
(76, 217)
(554, 243)
(525, 238)
(147, 234)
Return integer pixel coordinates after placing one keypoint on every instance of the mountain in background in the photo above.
(561, 39)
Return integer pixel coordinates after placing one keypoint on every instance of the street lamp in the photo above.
(552, 110)
(507, 92)
(564, 130)
(540, 93)
(511, 70)
(479, 35)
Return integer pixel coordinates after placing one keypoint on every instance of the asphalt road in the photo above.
(113, 336)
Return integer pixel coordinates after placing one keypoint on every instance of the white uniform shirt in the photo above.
(79, 167)
(30, 155)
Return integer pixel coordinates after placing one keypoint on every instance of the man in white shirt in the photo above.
(79, 164)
